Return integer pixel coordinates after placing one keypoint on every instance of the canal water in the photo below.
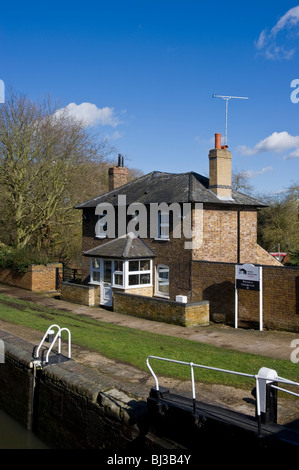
(14, 436)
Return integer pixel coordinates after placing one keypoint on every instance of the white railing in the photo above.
(288, 382)
(57, 336)
(263, 377)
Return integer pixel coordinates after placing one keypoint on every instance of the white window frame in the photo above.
(139, 272)
(125, 273)
(99, 229)
(117, 272)
(98, 270)
(162, 233)
(159, 281)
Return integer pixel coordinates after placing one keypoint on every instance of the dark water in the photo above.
(14, 436)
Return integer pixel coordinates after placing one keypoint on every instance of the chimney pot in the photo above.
(120, 160)
(217, 141)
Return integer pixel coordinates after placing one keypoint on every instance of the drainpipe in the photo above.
(238, 236)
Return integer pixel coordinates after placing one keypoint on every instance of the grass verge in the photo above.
(134, 346)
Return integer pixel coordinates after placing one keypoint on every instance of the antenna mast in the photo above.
(227, 98)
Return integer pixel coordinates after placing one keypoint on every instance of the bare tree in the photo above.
(42, 154)
(240, 182)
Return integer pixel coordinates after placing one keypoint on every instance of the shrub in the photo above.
(20, 259)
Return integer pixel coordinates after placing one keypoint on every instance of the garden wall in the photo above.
(83, 294)
(167, 311)
(38, 278)
(215, 282)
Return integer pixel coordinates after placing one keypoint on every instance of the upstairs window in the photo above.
(101, 226)
(163, 225)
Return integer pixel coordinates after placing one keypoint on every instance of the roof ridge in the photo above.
(128, 245)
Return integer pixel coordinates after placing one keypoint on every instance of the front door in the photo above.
(106, 285)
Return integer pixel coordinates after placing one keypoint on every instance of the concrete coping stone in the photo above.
(160, 299)
(80, 286)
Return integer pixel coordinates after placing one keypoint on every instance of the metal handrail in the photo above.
(288, 382)
(257, 377)
(191, 364)
(58, 335)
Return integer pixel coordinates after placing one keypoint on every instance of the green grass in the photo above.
(134, 346)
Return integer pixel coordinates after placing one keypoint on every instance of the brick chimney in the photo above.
(118, 175)
(220, 170)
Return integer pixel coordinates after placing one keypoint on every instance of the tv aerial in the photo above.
(227, 98)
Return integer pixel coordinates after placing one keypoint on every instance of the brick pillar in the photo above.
(220, 170)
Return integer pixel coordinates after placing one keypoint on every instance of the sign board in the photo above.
(249, 277)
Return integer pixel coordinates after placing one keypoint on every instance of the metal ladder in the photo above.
(51, 338)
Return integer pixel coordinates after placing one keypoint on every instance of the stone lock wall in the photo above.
(67, 405)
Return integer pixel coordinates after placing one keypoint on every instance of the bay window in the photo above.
(95, 271)
(139, 273)
(122, 274)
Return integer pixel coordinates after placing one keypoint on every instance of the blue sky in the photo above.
(142, 73)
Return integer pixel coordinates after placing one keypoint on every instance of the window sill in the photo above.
(162, 296)
(162, 239)
(138, 286)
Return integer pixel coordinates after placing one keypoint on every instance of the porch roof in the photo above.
(126, 247)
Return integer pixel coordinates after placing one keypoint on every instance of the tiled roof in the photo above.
(126, 247)
(158, 187)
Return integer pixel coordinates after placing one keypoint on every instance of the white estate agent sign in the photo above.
(249, 277)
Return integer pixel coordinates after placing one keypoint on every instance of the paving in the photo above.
(271, 344)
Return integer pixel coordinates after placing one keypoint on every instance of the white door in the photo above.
(106, 284)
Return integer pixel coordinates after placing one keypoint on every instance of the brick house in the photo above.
(156, 263)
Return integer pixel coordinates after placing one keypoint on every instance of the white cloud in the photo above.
(90, 115)
(261, 40)
(253, 174)
(116, 135)
(272, 44)
(277, 142)
(294, 154)
(289, 19)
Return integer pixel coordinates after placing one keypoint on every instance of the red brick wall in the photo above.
(171, 253)
(219, 244)
(39, 278)
(220, 237)
(215, 282)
